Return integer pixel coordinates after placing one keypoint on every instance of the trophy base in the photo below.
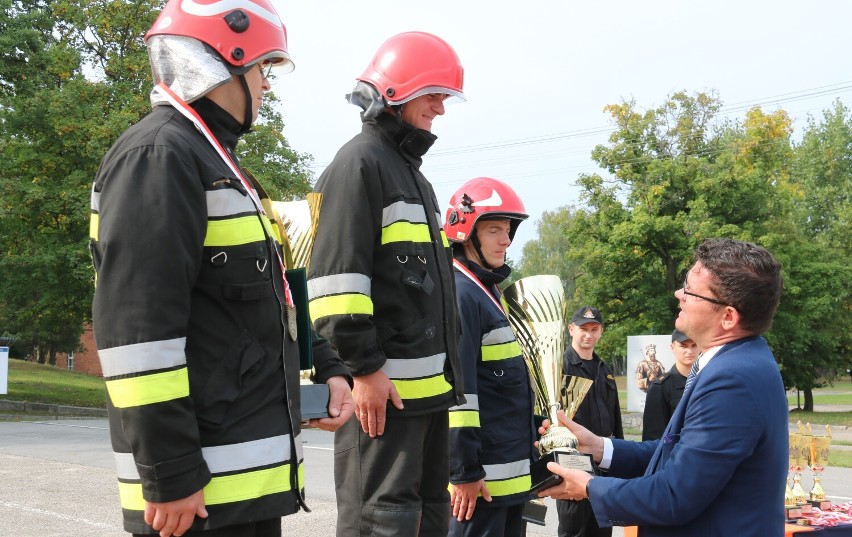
(792, 513)
(314, 401)
(535, 512)
(805, 508)
(822, 505)
(542, 478)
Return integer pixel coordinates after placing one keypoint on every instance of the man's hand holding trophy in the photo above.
(536, 308)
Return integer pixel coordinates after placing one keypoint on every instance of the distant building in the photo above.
(85, 361)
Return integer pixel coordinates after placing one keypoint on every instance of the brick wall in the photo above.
(85, 361)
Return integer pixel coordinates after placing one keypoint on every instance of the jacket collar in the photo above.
(224, 127)
(574, 358)
(413, 143)
(487, 277)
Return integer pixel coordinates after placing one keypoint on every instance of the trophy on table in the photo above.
(818, 450)
(536, 311)
(794, 495)
(297, 224)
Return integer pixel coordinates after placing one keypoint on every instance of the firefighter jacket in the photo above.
(599, 412)
(491, 435)
(202, 385)
(380, 279)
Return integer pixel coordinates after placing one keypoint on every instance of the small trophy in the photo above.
(818, 459)
(792, 508)
(536, 307)
(802, 452)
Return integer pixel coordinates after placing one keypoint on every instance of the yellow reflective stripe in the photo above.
(234, 231)
(130, 496)
(148, 389)
(445, 242)
(225, 489)
(464, 418)
(250, 485)
(420, 388)
(94, 223)
(501, 351)
(406, 232)
(505, 487)
(346, 304)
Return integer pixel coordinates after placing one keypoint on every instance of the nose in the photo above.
(265, 85)
(679, 295)
(438, 106)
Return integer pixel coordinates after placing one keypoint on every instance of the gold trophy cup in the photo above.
(818, 459)
(536, 310)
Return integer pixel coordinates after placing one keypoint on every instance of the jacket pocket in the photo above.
(414, 268)
(225, 383)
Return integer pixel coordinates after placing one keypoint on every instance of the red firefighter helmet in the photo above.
(412, 64)
(243, 32)
(482, 197)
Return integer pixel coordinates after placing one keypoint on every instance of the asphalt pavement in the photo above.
(57, 480)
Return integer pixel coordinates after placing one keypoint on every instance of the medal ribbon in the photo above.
(466, 271)
(193, 116)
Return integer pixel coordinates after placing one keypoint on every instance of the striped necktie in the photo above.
(692, 372)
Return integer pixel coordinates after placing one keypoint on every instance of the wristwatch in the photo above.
(587, 486)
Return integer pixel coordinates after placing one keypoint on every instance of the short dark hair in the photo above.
(745, 276)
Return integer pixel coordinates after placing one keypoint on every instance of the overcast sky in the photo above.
(538, 74)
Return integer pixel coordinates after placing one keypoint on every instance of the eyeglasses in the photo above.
(266, 69)
(713, 300)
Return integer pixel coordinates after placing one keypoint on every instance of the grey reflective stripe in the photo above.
(507, 470)
(227, 202)
(500, 335)
(403, 212)
(125, 466)
(140, 357)
(414, 368)
(439, 218)
(230, 458)
(94, 200)
(337, 284)
(472, 403)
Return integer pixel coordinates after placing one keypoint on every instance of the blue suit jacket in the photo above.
(721, 466)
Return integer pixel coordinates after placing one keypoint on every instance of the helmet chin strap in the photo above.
(247, 118)
(474, 239)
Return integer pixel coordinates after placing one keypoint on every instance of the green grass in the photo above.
(840, 458)
(37, 383)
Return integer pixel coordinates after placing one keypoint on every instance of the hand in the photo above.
(463, 498)
(175, 518)
(371, 395)
(341, 405)
(572, 487)
(589, 441)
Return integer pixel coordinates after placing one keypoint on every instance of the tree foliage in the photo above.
(74, 75)
(676, 175)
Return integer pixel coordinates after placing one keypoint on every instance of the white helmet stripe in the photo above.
(494, 200)
(222, 6)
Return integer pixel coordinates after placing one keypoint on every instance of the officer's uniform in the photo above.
(600, 413)
(660, 402)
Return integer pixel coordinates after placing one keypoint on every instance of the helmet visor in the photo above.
(452, 95)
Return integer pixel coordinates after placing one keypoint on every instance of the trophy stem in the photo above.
(799, 494)
(817, 493)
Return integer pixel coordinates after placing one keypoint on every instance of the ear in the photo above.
(731, 318)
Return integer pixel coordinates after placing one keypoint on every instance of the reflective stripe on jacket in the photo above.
(380, 279)
(492, 435)
(189, 325)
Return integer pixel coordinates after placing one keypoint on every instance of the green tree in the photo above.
(811, 334)
(676, 175)
(74, 76)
